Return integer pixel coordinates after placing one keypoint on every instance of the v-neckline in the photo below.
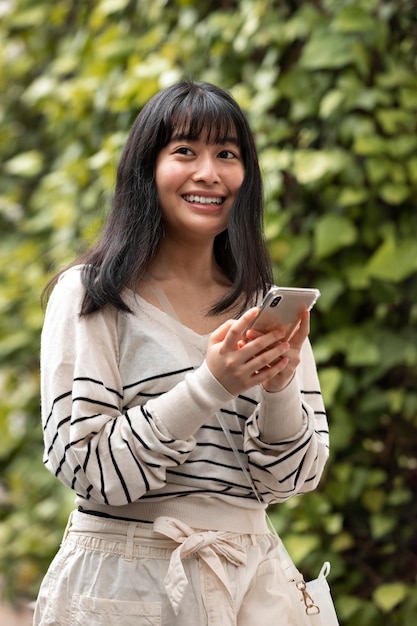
(165, 317)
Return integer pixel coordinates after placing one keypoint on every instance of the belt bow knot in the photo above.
(209, 545)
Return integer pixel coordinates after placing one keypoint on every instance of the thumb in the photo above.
(220, 333)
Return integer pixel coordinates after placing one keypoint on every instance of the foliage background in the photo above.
(330, 89)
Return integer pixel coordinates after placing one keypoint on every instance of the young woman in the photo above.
(141, 348)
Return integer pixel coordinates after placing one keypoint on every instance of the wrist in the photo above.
(270, 388)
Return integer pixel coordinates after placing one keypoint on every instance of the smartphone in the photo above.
(281, 308)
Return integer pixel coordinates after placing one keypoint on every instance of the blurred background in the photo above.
(330, 90)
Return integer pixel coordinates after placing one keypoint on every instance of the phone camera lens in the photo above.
(275, 301)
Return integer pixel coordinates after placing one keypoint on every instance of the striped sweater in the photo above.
(129, 422)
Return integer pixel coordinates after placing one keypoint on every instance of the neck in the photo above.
(192, 282)
(188, 263)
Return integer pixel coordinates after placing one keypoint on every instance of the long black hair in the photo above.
(134, 226)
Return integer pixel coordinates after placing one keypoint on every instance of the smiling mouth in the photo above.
(215, 200)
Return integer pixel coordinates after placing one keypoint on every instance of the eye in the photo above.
(227, 154)
(183, 150)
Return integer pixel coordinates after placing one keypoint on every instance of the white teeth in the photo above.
(202, 199)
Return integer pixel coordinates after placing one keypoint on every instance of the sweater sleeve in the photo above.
(93, 444)
(287, 438)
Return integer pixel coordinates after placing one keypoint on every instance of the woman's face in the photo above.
(197, 183)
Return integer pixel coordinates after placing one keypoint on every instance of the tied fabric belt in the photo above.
(213, 548)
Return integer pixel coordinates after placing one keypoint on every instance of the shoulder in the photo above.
(64, 306)
(68, 290)
(66, 295)
(71, 278)
(67, 280)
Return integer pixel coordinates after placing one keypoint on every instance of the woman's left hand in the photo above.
(290, 360)
(257, 359)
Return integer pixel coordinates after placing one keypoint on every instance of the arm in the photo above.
(287, 439)
(92, 442)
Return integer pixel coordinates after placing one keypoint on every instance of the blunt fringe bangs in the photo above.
(202, 113)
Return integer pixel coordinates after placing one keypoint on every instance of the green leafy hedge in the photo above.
(330, 88)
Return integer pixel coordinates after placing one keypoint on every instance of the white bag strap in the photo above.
(290, 569)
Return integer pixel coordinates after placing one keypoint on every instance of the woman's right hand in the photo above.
(239, 365)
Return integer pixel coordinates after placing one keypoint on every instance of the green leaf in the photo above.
(361, 351)
(351, 196)
(394, 260)
(42, 87)
(330, 289)
(408, 98)
(378, 168)
(292, 253)
(354, 19)
(27, 164)
(331, 102)
(311, 166)
(402, 146)
(412, 169)
(300, 546)
(29, 18)
(374, 500)
(394, 193)
(389, 595)
(330, 379)
(369, 145)
(382, 524)
(394, 121)
(356, 277)
(327, 50)
(331, 233)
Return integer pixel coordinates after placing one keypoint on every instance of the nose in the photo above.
(206, 169)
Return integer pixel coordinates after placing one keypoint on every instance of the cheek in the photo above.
(242, 178)
(237, 180)
(240, 172)
(164, 188)
(167, 178)
(161, 178)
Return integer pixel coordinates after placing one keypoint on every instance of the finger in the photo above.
(220, 333)
(250, 335)
(261, 344)
(270, 372)
(303, 330)
(269, 358)
(235, 334)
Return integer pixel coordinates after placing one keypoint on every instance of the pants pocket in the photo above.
(86, 610)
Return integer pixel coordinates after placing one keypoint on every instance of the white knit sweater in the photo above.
(129, 422)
